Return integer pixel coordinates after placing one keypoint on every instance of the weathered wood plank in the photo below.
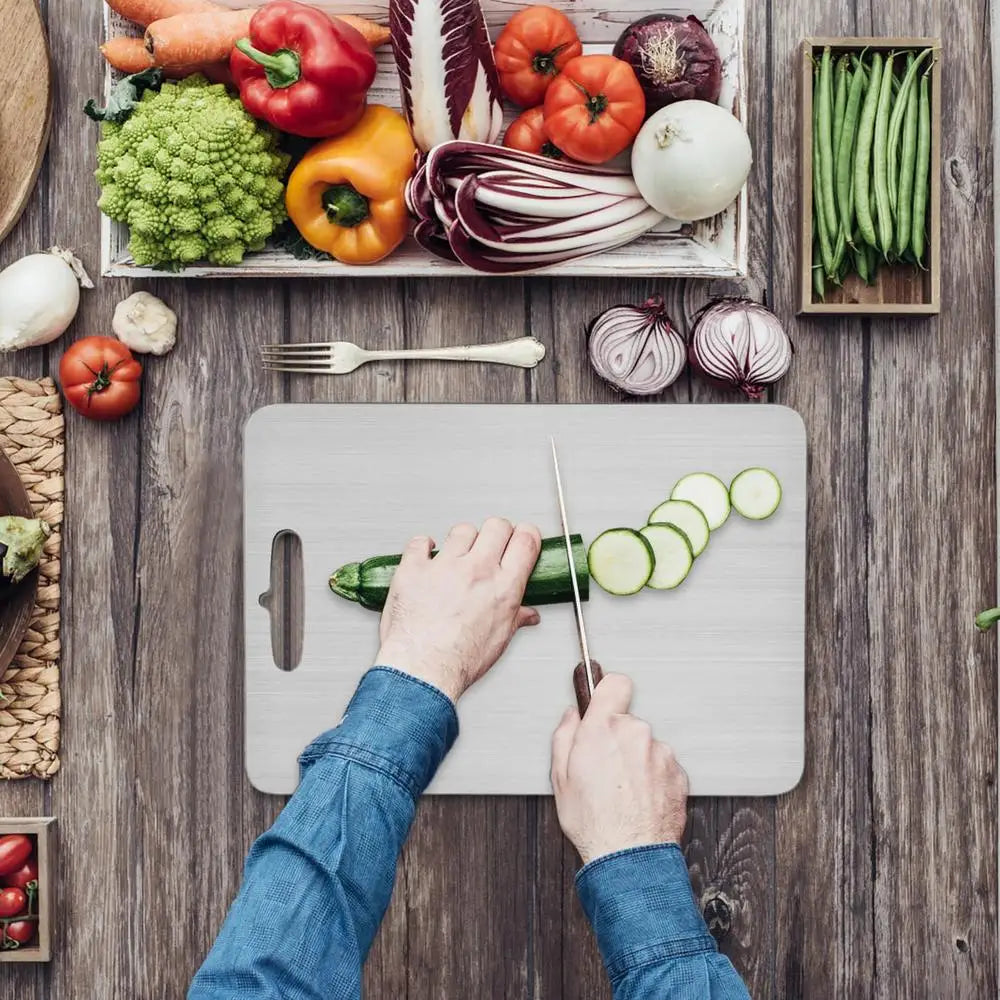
(931, 490)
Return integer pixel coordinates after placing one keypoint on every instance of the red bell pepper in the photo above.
(302, 71)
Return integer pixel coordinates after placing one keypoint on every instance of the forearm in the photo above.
(317, 884)
(652, 937)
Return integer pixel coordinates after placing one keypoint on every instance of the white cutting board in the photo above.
(718, 664)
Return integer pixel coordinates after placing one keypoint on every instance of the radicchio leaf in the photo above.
(449, 82)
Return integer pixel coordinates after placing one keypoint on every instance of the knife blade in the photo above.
(588, 672)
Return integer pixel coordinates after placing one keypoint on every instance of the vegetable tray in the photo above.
(900, 289)
(41, 828)
(717, 663)
(714, 248)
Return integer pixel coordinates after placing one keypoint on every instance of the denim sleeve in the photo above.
(316, 885)
(652, 937)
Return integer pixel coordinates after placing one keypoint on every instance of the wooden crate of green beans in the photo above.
(870, 175)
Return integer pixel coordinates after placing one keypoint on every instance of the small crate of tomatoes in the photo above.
(25, 889)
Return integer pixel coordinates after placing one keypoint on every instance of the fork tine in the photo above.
(302, 369)
(327, 345)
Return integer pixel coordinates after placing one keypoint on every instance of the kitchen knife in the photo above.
(587, 672)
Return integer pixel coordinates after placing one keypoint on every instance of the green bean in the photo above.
(839, 246)
(921, 170)
(845, 152)
(896, 121)
(860, 256)
(892, 147)
(879, 156)
(819, 283)
(819, 216)
(873, 263)
(863, 153)
(840, 102)
(904, 201)
(825, 125)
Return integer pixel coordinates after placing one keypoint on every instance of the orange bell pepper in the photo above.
(345, 196)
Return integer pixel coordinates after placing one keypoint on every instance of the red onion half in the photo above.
(740, 344)
(636, 349)
(674, 59)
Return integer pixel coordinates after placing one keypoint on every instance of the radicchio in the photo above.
(449, 81)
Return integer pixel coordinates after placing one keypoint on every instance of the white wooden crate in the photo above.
(713, 248)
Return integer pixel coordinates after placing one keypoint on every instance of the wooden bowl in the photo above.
(17, 605)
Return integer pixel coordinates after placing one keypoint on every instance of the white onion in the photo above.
(741, 344)
(690, 160)
(636, 349)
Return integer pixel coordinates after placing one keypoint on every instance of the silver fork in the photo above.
(341, 356)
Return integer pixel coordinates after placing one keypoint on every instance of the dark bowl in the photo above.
(18, 602)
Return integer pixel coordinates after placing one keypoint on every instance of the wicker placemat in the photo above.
(32, 435)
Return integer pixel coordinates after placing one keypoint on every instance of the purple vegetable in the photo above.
(501, 210)
(636, 348)
(448, 79)
(674, 58)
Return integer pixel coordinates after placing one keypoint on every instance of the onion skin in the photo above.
(636, 349)
(739, 344)
(674, 58)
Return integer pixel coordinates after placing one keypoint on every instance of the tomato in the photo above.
(594, 108)
(25, 874)
(100, 378)
(21, 931)
(12, 902)
(15, 849)
(527, 134)
(533, 47)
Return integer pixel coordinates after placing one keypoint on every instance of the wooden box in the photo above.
(712, 248)
(900, 289)
(40, 827)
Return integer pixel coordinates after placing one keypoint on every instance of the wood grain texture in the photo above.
(875, 879)
(25, 106)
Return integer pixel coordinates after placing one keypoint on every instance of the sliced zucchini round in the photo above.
(708, 493)
(755, 493)
(673, 555)
(688, 517)
(621, 561)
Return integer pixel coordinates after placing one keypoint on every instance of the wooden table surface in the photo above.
(876, 877)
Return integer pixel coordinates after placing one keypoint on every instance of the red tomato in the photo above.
(526, 134)
(19, 879)
(594, 108)
(533, 47)
(100, 378)
(15, 849)
(21, 931)
(12, 902)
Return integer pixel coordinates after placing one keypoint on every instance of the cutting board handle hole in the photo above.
(283, 600)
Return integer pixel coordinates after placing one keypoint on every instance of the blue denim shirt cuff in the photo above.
(396, 724)
(640, 903)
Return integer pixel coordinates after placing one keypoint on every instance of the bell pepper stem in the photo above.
(281, 67)
(345, 206)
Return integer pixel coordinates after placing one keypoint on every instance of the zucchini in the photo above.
(688, 517)
(707, 492)
(673, 555)
(367, 582)
(621, 561)
(755, 493)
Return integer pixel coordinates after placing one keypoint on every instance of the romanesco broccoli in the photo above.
(193, 175)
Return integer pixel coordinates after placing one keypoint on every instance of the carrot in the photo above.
(374, 34)
(196, 38)
(129, 55)
(145, 12)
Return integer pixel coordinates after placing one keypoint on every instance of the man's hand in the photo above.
(615, 786)
(448, 619)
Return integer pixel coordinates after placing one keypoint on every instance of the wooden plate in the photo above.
(25, 106)
(16, 605)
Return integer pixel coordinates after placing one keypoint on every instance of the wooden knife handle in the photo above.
(580, 684)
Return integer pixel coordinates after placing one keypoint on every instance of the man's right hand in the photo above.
(615, 786)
